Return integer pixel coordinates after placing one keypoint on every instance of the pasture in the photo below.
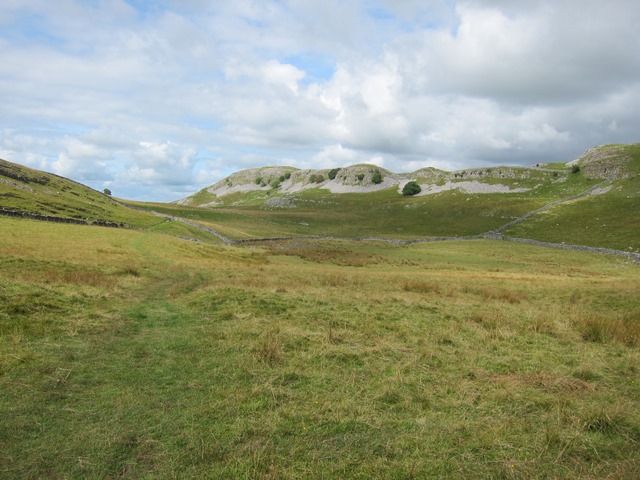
(134, 354)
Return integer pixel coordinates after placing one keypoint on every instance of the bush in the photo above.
(333, 172)
(275, 183)
(377, 177)
(107, 191)
(411, 188)
(258, 180)
(319, 178)
(575, 169)
(360, 176)
(312, 178)
(287, 175)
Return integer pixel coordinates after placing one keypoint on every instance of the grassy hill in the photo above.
(607, 220)
(33, 192)
(468, 202)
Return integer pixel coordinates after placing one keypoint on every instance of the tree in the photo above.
(106, 191)
(376, 177)
(411, 188)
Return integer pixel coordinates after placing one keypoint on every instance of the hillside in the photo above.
(284, 201)
(609, 219)
(365, 201)
(35, 194)
(362, 179)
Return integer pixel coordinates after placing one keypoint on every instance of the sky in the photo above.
(158, 99)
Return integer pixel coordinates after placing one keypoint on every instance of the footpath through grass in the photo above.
(127, 354)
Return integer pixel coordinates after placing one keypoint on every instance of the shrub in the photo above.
(275, 183)
(575, 169)
(411, 188)
(258, 180)
(282, 178)
(287, 175)
(319, 178)
(376, 177)
(360, 176)
(333, 172)
(312, 178)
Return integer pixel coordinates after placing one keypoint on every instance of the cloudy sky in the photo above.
(157, 99)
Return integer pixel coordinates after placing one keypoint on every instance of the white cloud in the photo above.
(162, 99)
(161, 163)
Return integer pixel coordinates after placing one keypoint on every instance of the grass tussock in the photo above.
(599, 328)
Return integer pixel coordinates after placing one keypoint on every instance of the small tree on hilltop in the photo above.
(411, 188)
(106, 191)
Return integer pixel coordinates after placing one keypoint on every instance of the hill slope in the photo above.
(283, 201)
(609, 219)
(36, 194)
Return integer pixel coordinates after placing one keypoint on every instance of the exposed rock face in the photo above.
(608, 161)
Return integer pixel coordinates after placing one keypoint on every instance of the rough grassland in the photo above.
(127, 354)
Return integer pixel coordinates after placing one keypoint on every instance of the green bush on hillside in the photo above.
(377, 177)
(316, 178)
(360, 176)
(411, 188)
(333, 172)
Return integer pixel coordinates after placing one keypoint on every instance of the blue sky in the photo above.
(157, 99)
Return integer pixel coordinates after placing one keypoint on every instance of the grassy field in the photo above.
(128, 354)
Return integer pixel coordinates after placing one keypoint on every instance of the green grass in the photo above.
(32, 191)
(608, 220)
(128, 354)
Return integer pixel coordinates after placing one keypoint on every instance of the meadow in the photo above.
(135, 354)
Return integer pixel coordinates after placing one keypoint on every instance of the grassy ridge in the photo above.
(608, 220)
(137, 355)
